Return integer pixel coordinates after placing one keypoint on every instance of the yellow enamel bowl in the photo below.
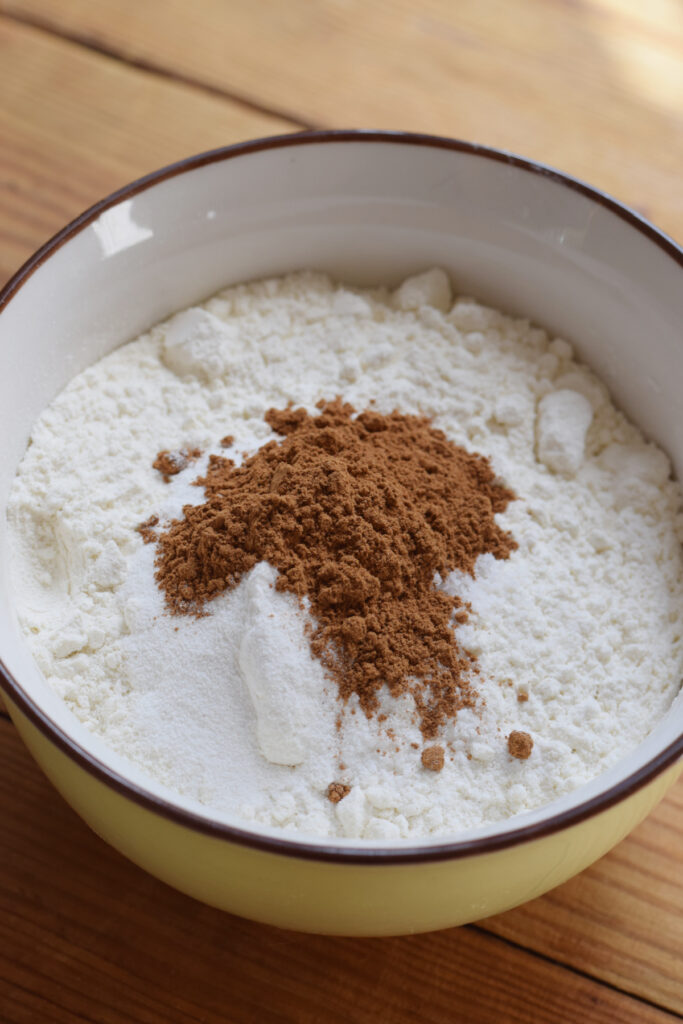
(368, 208)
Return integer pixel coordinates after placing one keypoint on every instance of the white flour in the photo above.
(584, 618)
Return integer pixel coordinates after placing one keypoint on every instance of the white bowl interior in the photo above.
(367, 212)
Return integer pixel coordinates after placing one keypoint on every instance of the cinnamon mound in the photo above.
(357, 515)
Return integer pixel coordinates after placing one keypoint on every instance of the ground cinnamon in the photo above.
(147, 531)
(520, 744)
(358, 514)
(336, 791)
(169, 463)
(433, 758)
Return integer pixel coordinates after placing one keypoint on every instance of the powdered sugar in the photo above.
(585, 618)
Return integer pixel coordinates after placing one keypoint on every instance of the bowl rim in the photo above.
(310, 849)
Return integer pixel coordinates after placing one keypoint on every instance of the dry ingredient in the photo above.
(574, 639)
(171, 463)
(433, 758)
(336, 791)
(147, 531)
(357, 513)
(520, 744)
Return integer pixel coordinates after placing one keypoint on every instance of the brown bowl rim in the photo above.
(308, 849)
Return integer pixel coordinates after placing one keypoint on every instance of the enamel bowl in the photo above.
(367, 207)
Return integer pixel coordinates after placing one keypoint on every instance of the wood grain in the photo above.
(75, 125)
(622, 920)
(87, 936)
(593, 87)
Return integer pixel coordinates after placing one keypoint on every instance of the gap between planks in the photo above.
(652, 1003)
(141, 64)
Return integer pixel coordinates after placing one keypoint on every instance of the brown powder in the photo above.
(433, 758)
(169, 463)
(147, 531)
(358, 515)
(336, 791)
(520, 744)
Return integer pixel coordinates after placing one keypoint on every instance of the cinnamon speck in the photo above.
(336, 791)
(170, 463)
(522, 696)
(146, 529)
(227, 441)
(433, 758)
(520, 744)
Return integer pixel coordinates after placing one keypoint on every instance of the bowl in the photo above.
(367, 207)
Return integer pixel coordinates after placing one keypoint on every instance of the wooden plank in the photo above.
(594, 88)
(75, 125)
(87, 936)
(622, 920)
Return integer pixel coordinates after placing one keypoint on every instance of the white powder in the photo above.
(231, 709)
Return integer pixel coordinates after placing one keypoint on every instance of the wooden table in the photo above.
(94, 93)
